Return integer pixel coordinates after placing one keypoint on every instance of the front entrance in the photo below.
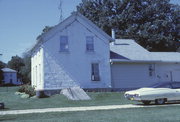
(176, 76)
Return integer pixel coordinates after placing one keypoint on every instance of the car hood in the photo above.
(142, 90)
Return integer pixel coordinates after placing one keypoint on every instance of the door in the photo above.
(176, 88)
(131, 75)
(176, 76)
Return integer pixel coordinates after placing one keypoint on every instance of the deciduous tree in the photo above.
(155, 24)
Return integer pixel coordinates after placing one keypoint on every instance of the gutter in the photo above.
(115, 61)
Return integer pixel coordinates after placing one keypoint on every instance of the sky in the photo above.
(21, 21)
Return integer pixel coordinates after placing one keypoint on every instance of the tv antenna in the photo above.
(61, 12)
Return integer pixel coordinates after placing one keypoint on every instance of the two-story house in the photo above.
(78, 53)
(73, 53)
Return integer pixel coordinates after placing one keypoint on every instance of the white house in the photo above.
(132, 66)
(77, 53)
(10, 76)
(73, 53)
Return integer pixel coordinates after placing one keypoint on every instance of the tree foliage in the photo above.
(155, 24)
(16, 63)
(1, 76)
(2, 65)
(22, 66)
(26, 69)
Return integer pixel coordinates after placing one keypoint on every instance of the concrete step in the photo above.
(75, 93)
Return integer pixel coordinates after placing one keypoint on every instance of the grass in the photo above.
(15, 102)
(158, 114)
(154, 114)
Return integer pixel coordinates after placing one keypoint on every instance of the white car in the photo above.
(158, 93)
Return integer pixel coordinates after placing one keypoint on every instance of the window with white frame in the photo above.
(89, 43)
(64, 47)
(95, 72)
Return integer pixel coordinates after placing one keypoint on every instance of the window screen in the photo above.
(89, 43)
(64, 47)
(95, 72)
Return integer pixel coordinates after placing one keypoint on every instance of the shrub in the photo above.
(27, 89)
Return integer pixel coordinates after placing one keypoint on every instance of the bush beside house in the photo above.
(27, 89)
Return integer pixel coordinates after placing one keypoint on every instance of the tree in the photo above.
(16, 63)
(2, 65)
(26, 69)
(22, 66)
(46, 29)
(1, 76)
(152, 23)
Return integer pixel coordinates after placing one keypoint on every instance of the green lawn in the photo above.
(15, 102)
(155, 114)
(158, 114)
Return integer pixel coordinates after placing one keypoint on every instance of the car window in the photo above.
(175, 85)
(165, 86)
(161, 85)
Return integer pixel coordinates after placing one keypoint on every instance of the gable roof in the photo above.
(129, 49)
(8, 70)
(133, 52)
(166, 56)
(75, 16)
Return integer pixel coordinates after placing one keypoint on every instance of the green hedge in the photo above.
(27, 89)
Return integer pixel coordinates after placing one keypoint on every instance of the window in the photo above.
(89, 43)
(151, 69)
(175, 85)
(64, 44)
(39, 73)
(95, 72)
(11, 81)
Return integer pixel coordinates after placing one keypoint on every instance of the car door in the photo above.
(176, 88)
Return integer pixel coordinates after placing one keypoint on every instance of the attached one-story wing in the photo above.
(133, 66)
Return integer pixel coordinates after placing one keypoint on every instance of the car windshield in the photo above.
(161, 85)
(176, 85)
(173, 85)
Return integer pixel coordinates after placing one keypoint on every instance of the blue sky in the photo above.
(21, 21)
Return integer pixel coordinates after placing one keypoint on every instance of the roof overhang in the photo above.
(116, 61)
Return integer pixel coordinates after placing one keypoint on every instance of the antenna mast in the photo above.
(61, 12)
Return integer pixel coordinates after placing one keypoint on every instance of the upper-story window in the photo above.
(64, 47)
(89, 43)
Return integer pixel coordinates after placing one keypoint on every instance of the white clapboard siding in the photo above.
(72, 68)
(130, 75)
(168, 72)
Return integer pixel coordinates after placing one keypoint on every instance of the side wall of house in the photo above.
(168, 72)
(136, 75)
(73, 68)
(132, 75)
(10, 77)
(37, 72)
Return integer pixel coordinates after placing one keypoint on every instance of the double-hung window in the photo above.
(64, 47)
(89, 44)
(95, 72)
